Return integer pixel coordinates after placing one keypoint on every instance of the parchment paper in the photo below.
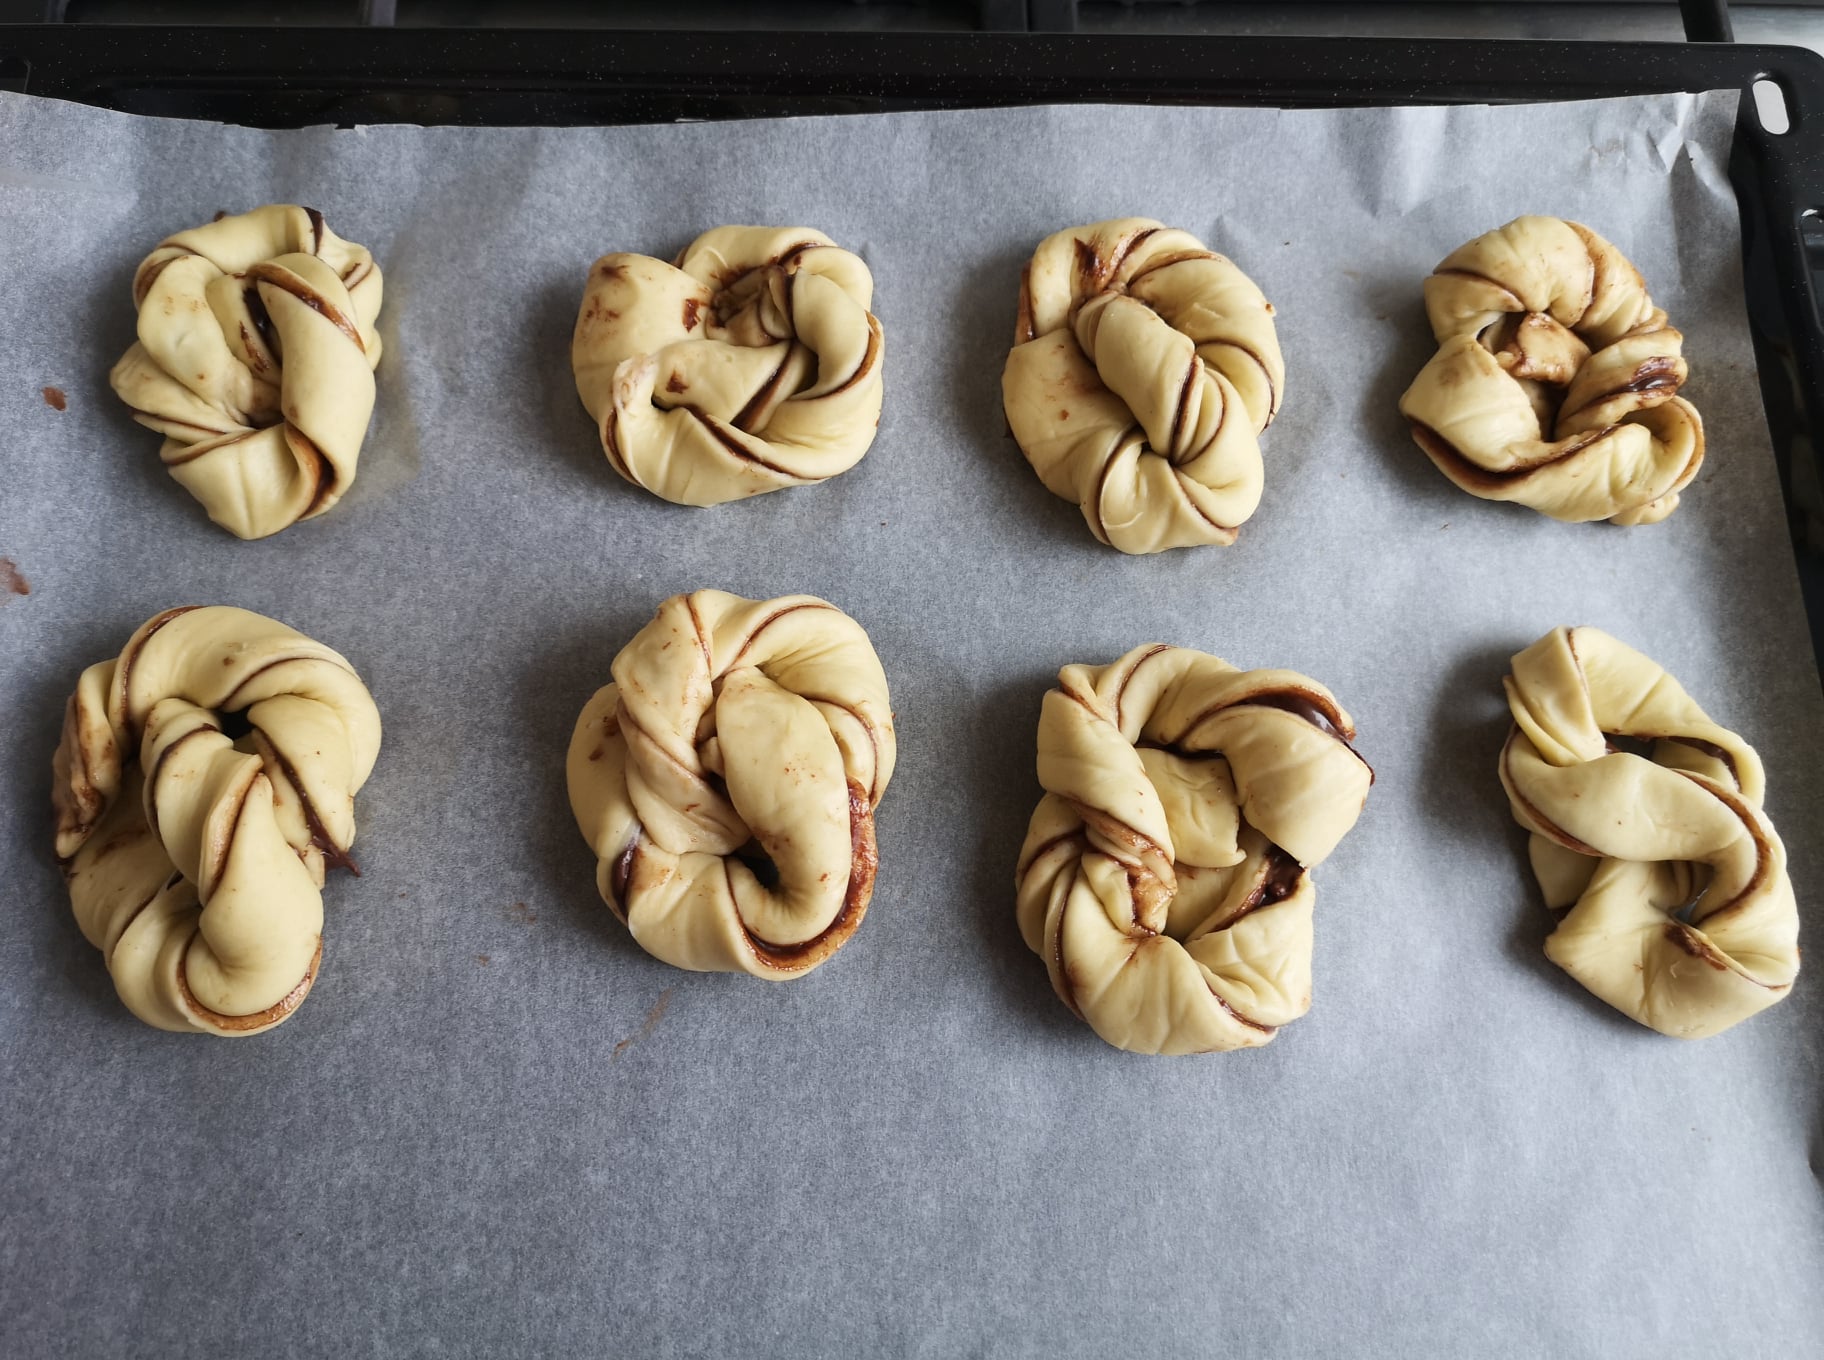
(497, 1127)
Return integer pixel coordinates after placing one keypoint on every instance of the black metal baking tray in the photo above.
(294, 76)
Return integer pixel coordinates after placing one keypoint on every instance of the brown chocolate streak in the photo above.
(1712, 750)
(733, 445)
(1538, 819)
(262, 320)
(334, 855)
(864, 863)
(124, 670)
(259, 1019)
(1452, 462)
(283, 279)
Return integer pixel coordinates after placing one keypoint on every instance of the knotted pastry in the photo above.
(255, 360)
(751, 365)
(1680, 912)
(727, 781)
(195, 857)
(1144, 368)
(1163, 879)
(1556, 379)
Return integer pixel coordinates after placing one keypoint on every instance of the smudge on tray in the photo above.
(12, 580)
(653, 1016)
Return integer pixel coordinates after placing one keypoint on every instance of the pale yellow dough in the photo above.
(255, 360)
(195, 862)
(735, 732)
(1163, 879)
(1680, 912)
(752, 364)
(1143, 370)
(1556, 379)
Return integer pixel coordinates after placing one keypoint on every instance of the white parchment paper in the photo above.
(497, 1127)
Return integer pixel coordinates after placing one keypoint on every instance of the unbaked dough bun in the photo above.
(727, 781)
(751, 364)
(255, 360)
(1144, 368)
(1676, 908)
(195, 858)
(1164, 879)
(1556, 379)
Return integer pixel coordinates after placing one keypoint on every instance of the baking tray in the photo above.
(297, 77)
(348, 106)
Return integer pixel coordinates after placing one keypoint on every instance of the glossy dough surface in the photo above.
(255, 360)
(195, 861)
(1163, 879)
(727, 781)
(1677, 907)
(1143, 370)
(750, 365)
(1556, 379)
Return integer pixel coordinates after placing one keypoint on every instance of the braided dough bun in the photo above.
(727, 781)
(1163, 879)
(751, 365)
(1680, 912)
(1556, 379)
(194, 859)
(255, 360)
(1144, 368)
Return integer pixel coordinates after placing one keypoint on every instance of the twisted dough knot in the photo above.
(195, 859)
(751, 365)
(727, 781)
(1544, 326)
(255, 360)
(1163, 879)
(1680, 910)
(1143, 370)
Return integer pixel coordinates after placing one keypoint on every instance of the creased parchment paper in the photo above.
(497, 1127)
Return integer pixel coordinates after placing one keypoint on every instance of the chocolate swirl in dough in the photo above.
(751, 365)
(255, 360)
(1143, 370)
(1556, 379)
(1163, 879)
(195, 859)
(727, 781)
(1677, 907)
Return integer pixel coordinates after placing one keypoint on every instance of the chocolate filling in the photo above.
(262, 321)
(733, 445)
(863, 864)
(1472, 475)
(1654, 375)
(1714, 751)
(334, 856)
(259, 1019)
(127, 662)
(268, 273)
(623, 871)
